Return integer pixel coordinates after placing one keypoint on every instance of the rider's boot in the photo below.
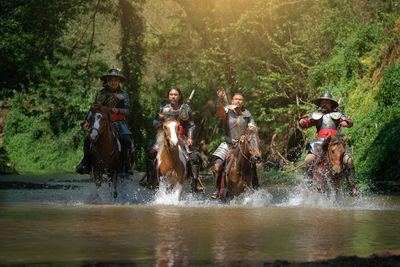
(351, 174)
(84, 166)
(195, 183)
(127, 162)
(151, 177)
(307, 163)
(352, 182)
(217, 184)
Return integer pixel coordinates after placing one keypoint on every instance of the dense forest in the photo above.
(281, 54)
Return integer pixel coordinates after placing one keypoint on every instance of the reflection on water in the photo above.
(83, 224)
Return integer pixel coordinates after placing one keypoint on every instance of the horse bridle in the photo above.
(99, 132)
(241, 152)
(168, 138)
(96, 129)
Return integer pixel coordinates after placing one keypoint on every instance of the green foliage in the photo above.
(380, 160)
(280, 54)
(389, 91)
(30, 32)
(42, 131)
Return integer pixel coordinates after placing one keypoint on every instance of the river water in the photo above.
(67, 220)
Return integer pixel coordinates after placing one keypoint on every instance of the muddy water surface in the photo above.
(68, 220)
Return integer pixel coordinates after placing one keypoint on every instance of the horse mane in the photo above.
(324, 147)
(160, 141)
(168, 117)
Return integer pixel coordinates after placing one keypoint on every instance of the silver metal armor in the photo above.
(237, 124)
(326, 121)
(183, 114)
(234, 128)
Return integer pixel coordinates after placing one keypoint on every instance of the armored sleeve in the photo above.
(222, 111)
(191, 126)
(125, 109)
(252, 122)
(312, 119)
(344, 118)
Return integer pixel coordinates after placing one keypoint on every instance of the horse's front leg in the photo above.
(97, 177)
(115, 183)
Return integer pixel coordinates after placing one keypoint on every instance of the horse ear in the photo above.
(345, 138)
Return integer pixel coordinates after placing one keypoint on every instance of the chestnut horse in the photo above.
(105, 148)
(326, 172)
(171, 161)
(240, 171)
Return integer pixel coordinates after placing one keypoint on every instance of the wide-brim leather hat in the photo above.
(113, 73)
(326, 96)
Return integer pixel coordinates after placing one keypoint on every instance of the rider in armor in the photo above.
(183, 114)
(328, 120)
(235, 119)
(117, 100)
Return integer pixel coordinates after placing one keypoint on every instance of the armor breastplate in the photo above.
(168, 111)
(329, 121)
(235, 126)
(110, 100)
(182, 113)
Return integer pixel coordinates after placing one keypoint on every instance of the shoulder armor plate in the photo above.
(316, 115)
(336, 115)
(184, 112)
(230, 107)
(246, 113)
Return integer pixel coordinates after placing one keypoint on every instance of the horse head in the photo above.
(335, 148)
(252, 142)
(171, 131)
(100, 121)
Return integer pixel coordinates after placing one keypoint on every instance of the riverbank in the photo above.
(385, 258)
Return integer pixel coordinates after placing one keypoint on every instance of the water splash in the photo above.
(259, 198)
(167, 196)
(130, 193)
(301, 196)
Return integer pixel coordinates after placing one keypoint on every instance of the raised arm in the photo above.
(220, 106)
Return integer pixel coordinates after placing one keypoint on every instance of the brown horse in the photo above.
(104, 147)
(240, 167)
(171, 161)
(326, 173)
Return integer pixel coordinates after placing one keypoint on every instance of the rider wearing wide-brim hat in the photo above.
(326, 96)
(117, 100)
(113, 73)
(328, 120)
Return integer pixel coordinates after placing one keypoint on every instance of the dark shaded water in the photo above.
(67, 220)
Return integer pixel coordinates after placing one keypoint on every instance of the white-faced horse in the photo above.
(171, 162)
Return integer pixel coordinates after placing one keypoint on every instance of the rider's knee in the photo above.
(126, 141)
(348, 161)
(86, 141)
(194, 158)
(309, 158)
(218, 165)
